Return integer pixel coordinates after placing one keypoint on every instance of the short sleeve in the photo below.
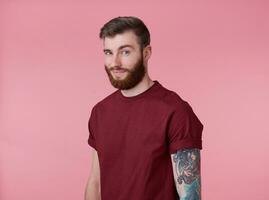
(184, 129)
(91, 128)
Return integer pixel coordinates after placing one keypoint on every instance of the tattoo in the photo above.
(187, 168)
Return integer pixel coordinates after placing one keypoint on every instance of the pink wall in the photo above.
(215, 54)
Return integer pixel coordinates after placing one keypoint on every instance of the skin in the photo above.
(187, 176)
(123, 52)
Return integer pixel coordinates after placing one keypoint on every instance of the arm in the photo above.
(93, 190)
(186, 170)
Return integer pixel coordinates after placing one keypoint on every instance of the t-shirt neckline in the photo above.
(141, 95)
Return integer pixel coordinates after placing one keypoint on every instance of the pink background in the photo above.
(214, 54)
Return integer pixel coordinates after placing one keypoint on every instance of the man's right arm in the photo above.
(93, 188)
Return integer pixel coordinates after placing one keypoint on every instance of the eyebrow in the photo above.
(121, 47)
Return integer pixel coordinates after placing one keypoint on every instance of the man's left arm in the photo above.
(187, 176)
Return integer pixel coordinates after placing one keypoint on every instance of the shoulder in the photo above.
(104, 102)
(179, 108)
(108, 99)
(175, 101)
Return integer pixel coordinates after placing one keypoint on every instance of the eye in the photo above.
(107, 53)
(126, 52)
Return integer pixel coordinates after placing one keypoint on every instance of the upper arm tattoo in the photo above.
(186, 167)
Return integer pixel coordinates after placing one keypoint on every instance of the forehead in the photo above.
(125, 38)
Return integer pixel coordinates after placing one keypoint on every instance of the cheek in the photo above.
(129, 61)
(107, 61)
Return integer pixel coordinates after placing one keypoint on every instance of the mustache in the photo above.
(116, 68)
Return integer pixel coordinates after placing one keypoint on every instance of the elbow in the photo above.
(93, 190)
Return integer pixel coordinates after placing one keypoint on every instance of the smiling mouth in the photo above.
(117, 71)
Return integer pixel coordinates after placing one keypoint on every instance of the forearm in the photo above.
(186, 167)
(92, 191)
(190, 191)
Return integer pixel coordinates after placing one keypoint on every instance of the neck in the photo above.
(142, 86)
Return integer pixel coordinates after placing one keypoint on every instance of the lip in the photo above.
(118, 71)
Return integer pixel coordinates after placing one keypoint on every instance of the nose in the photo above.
(115, 62)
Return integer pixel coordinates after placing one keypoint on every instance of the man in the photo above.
(146, 139)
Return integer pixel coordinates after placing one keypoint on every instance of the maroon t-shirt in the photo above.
(134, 137)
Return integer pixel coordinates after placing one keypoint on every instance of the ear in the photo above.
(147, 52)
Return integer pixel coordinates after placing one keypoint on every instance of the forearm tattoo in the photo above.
(187, 167)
